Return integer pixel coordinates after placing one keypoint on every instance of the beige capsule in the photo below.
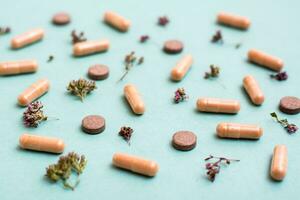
(134, 99)
(235, 130)
(18, 67)
(135, 164)
(252, 88)
(41, 143)
(265, 60)
(218, 105)
(279, 163)
(90, 47)
(33, 92)
(116, 21)
(181, 68)
(27, 38)
(233, 20)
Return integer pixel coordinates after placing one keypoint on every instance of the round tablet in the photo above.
(290, 105)
(61, 18)
(173, 46)
(184, 140)
(98, 72)
(93, 124)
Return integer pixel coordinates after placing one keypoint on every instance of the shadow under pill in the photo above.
(112, 27)
(245, 94)
(230, 27)
(26, 46)
(87, 55)
(128, 107)
(130, 173)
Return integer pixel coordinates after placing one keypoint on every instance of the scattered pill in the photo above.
(98, 72)
(173, 46)
(243, 131)
(279, 163)
(134, 99)
(181, 68)
(93, 124)
(135, 164)
(233, 20)
(27, 38)
(290, 105)
(18, 67)
(218, 105)
(116, 21)
(33, 92)
(252, 88)
(265, 60)
(61, 18)
(90, 47)
(41, 143)
(184, 140)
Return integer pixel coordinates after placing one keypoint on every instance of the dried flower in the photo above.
(180, 95)
(238, 45)
(63, 169)
(130, 61)
(126, 133)
(163, 21)
(141, 60)
(144, 38)
(217, 37)
(213, 168)
(50, 58)
(290, 128)
(280, 76)
(77, 37)
(4, 30)
(214, 72)
(81, 87)
(34, 115)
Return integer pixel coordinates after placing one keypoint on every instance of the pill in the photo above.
(252, 88)
(234, 130)
(173, 46)
(98, 72)
(134, 99)
(233, 20)
(33, 92)
(218, 105)
(265, 60)
(61, 18)
(290, 105)
(279, 163)
(27, 38)
(135, 164)
(18, 67)
(116, 21)
(181, 68)
(93, 124)
(90, 47)
(184, 140)
(41, 143)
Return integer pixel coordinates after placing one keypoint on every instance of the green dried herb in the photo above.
(63, 169)
(214, 72)
(81, 87)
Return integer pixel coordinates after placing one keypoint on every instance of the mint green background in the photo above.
(275, 29)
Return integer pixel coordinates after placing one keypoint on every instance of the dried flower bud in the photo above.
(81, 87)
(290, 128)
(163, 21)
(144, 38)
(77, 37)
(34, 114)
(281, 76)
(180, 95)
(214, 72)
(126, 133)
(217, 37)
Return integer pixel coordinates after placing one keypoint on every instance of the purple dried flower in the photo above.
(126, 133)
(217, 37)
(290, 128)
(180, 95)
(162, 21)
(144, 38)
(34, 114)
(280, 76)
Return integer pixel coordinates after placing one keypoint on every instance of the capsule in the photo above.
(41, 143)
(116, 21)
(33, 92)
(243, 131)
(253, 90)
(27, 38)
(218, 105)
(233, 20)
(18, 67)
(135, 164)
(279, 163)
(134, 99)
(181, 68)
(265, 60)
(90, 47)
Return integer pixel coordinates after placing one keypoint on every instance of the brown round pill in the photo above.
(290, 105)
(98, 72)
(173, 46)
(93, 124)
(61, 18)
(184, 140)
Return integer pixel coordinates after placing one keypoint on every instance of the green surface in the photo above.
(274, 29)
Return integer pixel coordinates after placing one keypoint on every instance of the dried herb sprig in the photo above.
(217, 37)
(144, 38)
(163, 21)
(81, 87)
(180, 95)
(214, 72)
(64, 168)
(280, 76)
(50, 58)
(4, 30)
(77, 37)
(34, 115)
(213, 168)
(290, 128)
(130, 60)
(126, 133)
